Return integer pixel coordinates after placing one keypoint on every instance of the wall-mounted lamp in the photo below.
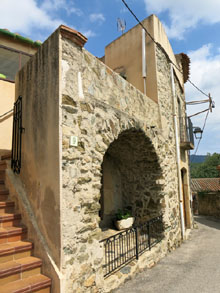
(198, 132)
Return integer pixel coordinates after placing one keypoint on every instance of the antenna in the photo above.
(121, 25)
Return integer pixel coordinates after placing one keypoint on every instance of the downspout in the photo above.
(177, 152)
(144, 73)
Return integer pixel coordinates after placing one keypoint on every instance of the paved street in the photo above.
(194, 267)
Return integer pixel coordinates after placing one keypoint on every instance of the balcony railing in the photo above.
(127, 245)
(186, 133)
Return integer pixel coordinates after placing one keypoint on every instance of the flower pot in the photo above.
(124, 223)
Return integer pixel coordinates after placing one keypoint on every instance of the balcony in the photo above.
(186, 134)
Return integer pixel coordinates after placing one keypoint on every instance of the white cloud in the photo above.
(88, 33)
(69, 7)
(25, 15)
(205, 68)
(99, 17)
(185, 15)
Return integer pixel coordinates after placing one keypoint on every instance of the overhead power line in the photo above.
(211, 102)
(200, 137)
(162, 49)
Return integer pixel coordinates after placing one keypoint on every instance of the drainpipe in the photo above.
(177, 152)
(144, 73)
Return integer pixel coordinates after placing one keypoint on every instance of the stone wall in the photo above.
(209, 203)
(109, 116)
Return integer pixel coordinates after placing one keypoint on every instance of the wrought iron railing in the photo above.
(16, 137)
(127, 245)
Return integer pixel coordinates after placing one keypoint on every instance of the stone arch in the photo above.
(131, 176)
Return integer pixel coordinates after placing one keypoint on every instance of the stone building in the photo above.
(206, 196)
(94, 143)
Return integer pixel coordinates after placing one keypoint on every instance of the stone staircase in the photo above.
(19, 270)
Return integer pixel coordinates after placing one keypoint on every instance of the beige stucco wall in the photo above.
(126, 52)
(38, 84)
(17, 45)
(7, 93)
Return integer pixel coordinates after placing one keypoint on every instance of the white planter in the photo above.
(124, 223)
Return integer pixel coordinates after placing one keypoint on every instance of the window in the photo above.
(10, 62)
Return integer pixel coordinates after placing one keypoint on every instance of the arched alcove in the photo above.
(130, 178)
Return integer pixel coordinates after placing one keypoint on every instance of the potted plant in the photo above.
(124, 219)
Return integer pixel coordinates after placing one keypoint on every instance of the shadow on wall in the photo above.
(130, 174)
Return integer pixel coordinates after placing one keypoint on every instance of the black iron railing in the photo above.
(16, 137)
(127, 245)
(186, 130)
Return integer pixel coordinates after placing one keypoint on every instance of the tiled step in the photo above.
(6, 156)
(14, 250)
(9, 220)
(32, 284)
(12, 234)
(4, 192)
(6, 206)
(2, 174)
(2, 184)
(3, 197)
(3, 165)
(19, 269)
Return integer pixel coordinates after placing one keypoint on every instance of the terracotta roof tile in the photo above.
(73, 35)
(205, 184)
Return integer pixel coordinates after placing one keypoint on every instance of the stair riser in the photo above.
(14, 256)
(6, 157)
(46, 290)
(10, 223)
(19, 275)
(3, 167)
(9, 210)
(8, 279)
(19, 237)
(2, 175)
(4, 192)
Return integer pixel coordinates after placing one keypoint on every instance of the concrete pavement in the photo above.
(192, 268)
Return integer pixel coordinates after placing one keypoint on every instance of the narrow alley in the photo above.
(193, 268)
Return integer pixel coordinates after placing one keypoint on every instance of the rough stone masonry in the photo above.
(108, 115)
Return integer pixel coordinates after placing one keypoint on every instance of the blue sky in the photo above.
(192, 26)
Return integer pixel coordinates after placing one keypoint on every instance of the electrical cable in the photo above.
(168, 58)
(163, 50)
(199, 113)
(200, 137)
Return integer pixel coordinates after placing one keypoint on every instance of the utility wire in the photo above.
(200, 137)
(6, 113)
(168, 58)
(162, 49)
(198, 113)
